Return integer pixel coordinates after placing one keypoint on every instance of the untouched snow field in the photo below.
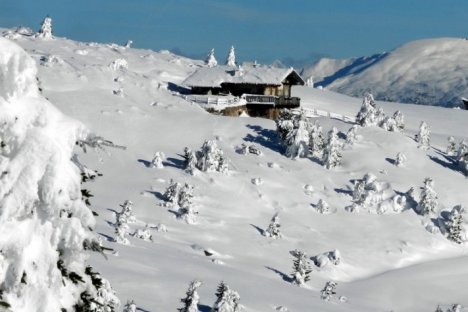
(390, 262)
(428, 72)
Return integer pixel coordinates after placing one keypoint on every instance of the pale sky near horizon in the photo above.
(263, 30)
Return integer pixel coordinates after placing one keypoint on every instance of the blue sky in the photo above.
(265, 30)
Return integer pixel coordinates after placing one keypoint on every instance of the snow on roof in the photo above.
(215, 76)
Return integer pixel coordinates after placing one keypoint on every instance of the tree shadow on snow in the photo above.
(344, 191)
(142, 310)
(448, 162)
(107, 237)
(204, 308)
(285, 277)
(259, 230)
(264, 137)
(391, 161)
(146, 163)
(174, 162)
(158, 195)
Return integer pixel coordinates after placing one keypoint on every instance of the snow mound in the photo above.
(17, 72)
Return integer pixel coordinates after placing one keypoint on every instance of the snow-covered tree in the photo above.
(301, 268)
(46, 229)
(400, 159)
(157, 161)
(130, 306)
(190, 161)
(171, 195)
(316, 140)
(328, 291)
(126, 215)
(227, 300)
(191, 299)
(45, 32)
(451, 148)
(389, 124)
(297, 140)
(331, 154)
(121, 231)
(211, 158)
(367, 116)
(310, 82)
(423, 137)
(399, 120)
(453, 224)
(210, 59)
(462, 156)
(273, 229)
(428, 199)
(366, 192)
(231, 58)
(144, 234)
(323, 207)
(284, 125)
(185, 196)
(351, 135)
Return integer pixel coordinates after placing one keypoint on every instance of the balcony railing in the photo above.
(278, 101)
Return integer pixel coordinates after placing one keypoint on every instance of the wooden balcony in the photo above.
(271, 100)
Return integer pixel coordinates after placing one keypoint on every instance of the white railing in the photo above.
(313, 112)
(213, 100)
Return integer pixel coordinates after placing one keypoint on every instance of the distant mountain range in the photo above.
(427, 72)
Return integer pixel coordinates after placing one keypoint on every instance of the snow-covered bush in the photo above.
(452, 224)
(372, 195)
(328, 291)
(51, 60)
(231, 58)
(389, 124)
(211, 60)
(367, 116)
(273, 229)
(227, 300)
(144, 234)
(423, 137)
(327, 258)
(428, 199)
(191, 299)
(119, 64)
(45, 32)
(45, 226)
(157, 161)
(249, 149)
(121, 231)
(301, 268)
(331, 154)
(400, 160)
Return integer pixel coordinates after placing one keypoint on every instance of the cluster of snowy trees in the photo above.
(123, 219)
(372, 115)
(459, 155)
(181, 197)
(211, 61)
(366, 193)
(209, 158)
(227, 300)
(302, 139)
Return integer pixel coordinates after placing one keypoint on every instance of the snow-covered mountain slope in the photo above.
(389, 261)
(428, 72)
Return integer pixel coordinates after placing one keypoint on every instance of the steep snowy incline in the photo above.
(226, 243)
(428, 72)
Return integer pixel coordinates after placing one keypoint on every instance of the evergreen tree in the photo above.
(227, 300)
(231, 58)
(428, 200)
(185, 196)
(190, 161)
(46, 29)
(389, 124)
(399, 120)
(157, 161)
(191, 299)
(297, 140)
(273, 229)
(171, 195)
(367, 116)
(301, 268)
(351, 135)
(455, 225)
(130, 306)
(462, 157)
(331, 154)
(284, 125)
(328, 291)
(121, 231)
(439, 309)
(316, 140)
(310, 82)
(210, 158)
(451, 148)
(126, 215)
(323, 207)
(423, 137)
(400, 159)
(211, 60)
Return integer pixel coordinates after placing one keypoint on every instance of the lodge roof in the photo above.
(213, 77)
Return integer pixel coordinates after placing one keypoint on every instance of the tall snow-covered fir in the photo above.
(45, 32)
(231, 58)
